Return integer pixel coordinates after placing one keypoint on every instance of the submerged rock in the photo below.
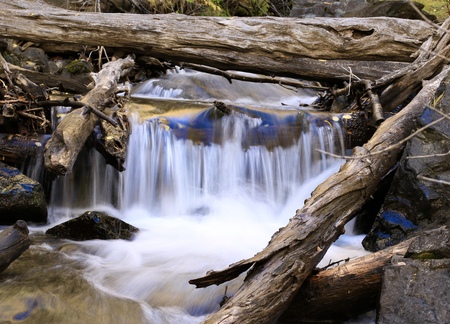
(21, 198)
(45, 286)
(94, 225)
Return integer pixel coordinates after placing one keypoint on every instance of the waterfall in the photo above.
(205, 191)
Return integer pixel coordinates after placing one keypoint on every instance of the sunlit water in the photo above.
(199, 206)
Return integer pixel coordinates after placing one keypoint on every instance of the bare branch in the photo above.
(389, 148)
(428, 156)
(447, 183)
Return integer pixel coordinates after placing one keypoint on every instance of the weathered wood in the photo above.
(270, 45)
(13, 242)
(342, 292)
(432, 55)
(280, 269)
(69, 137)
(112, 143)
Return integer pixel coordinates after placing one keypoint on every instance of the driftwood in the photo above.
(278, 271)
(13, 242)
(269, 45)
(69, 137)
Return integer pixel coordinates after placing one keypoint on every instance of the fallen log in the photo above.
(278, 271)
(342, 292)
(268, 45)
(13, 242)
(69, 137)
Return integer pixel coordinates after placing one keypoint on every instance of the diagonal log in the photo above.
(280, 269)
(69, 137)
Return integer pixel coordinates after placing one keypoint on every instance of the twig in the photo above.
(99, 114)
(78, 104)
(447, 183)
(334, 263)
(262, 79)
(428, 156)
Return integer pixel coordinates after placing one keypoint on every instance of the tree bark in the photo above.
(13, 242)
(270, 45)
(69, 137)
(280, 269)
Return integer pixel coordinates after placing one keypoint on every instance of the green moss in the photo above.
(439, 8)
(79, 66)
(426, 256)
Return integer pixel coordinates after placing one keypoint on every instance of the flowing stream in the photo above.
(205, 190)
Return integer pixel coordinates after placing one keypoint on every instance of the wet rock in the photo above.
(21, 198)
(357, 8)
(94, 225)
(416, 290)
(392, 227)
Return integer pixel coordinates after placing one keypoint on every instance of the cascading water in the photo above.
(203, 198)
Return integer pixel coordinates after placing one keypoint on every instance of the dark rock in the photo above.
(430, 245)
(357, 8)
(21, 198)
(392, 227)
(94, 225)
(416, 290)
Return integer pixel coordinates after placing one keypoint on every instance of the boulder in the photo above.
(415, 289)
(21, 198)
(94, 225)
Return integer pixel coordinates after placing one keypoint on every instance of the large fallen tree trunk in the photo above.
(69, 137)
(278, 271)
(271, 45)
